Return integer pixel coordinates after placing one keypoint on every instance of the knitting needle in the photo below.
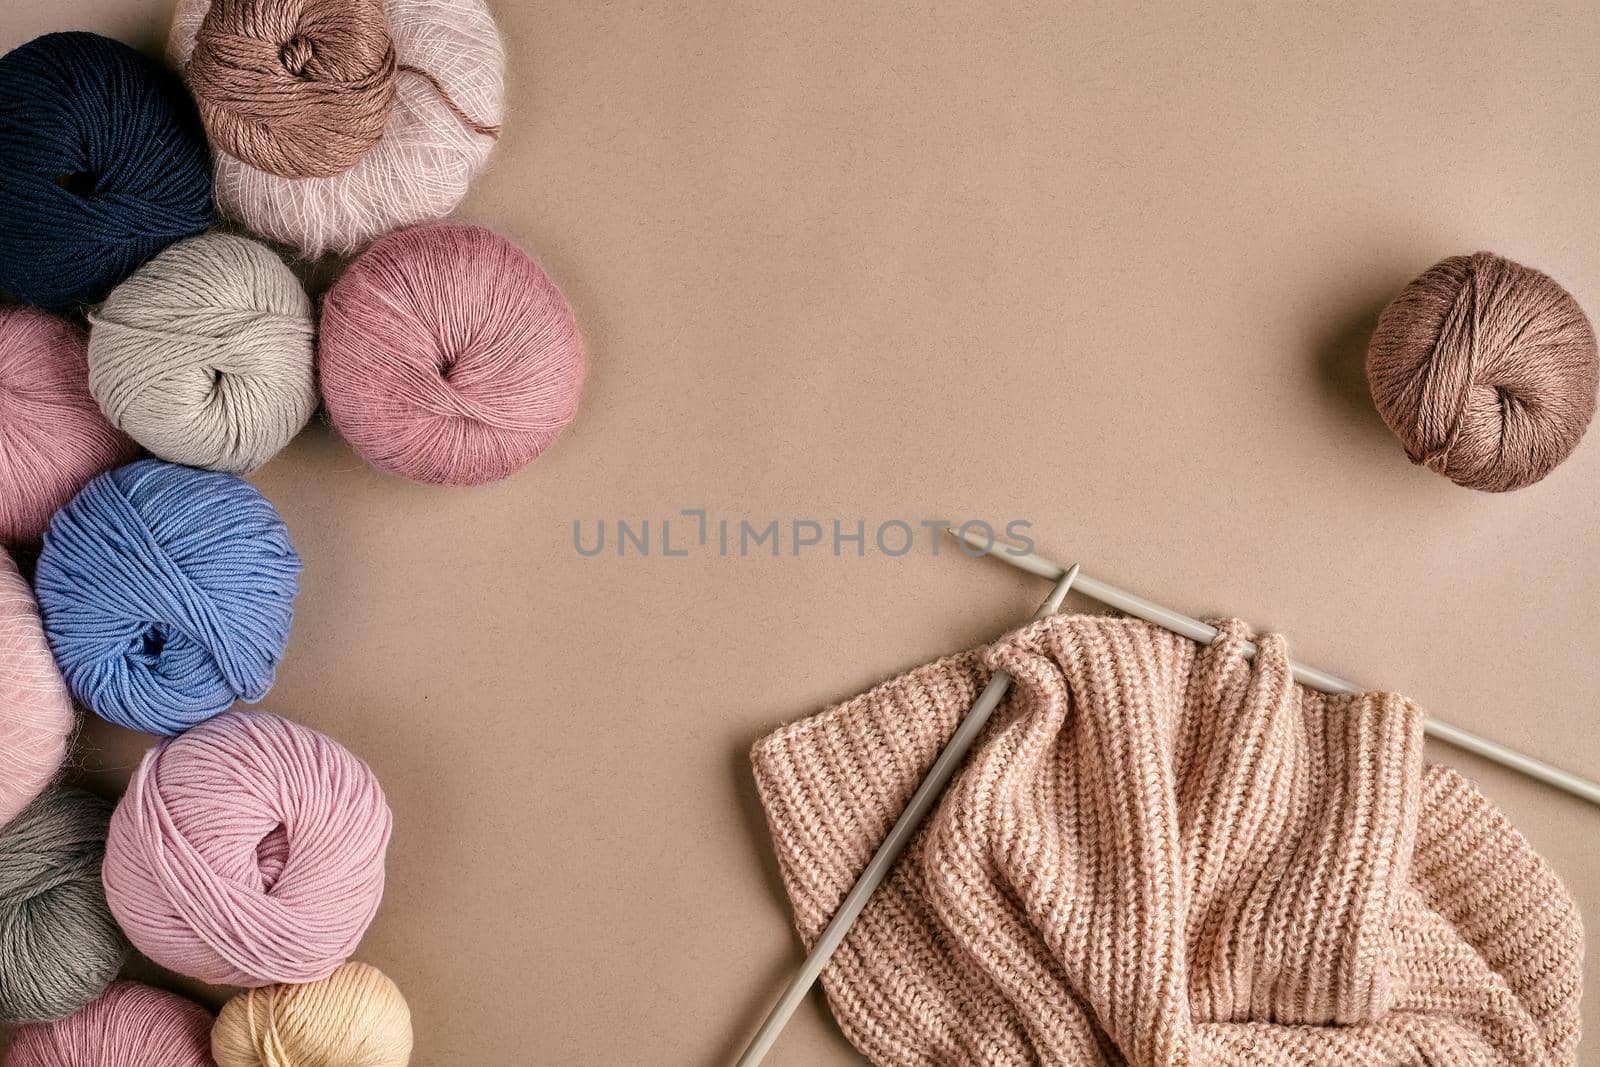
(900, 836)
(1310, 676)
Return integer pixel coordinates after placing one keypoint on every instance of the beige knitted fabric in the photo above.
(1161, 854)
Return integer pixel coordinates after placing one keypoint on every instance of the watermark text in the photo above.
(695, 531)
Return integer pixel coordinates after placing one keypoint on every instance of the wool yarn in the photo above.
(294, 90)
(248, 851)
(1486, 371)
(167, 594)
(36, 716)
(53, 438)
(204, 354)
(448, 356)
(300, 88)
(58, 944)
(105, 164)
(129, 1025)
(355, 1016)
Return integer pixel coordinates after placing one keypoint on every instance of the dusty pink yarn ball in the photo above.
(448, 356)
(247, 851)
(129, 1025)
(53, 438)
(36, 716)
(1486, 371)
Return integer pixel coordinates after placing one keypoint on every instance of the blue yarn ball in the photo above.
(167, 594)
(105, 164)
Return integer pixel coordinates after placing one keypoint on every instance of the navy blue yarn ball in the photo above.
(103, 163)
(167, 594)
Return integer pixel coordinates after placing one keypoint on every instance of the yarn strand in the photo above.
(444, 96)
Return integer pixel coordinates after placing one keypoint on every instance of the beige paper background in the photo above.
(1109, 270)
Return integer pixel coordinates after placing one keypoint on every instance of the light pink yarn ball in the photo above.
(36, 716)
(53, 438)
(129, 1025)
(248, 851)
(419, 169)
(448, 356)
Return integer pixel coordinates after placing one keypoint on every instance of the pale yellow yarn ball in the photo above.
(355, 1017)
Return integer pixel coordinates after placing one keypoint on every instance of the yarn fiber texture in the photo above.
(53, 437)
(58, 944)
(439, 99)
(130, 1025)
(204, 356)
(1486, 371)
(1159, 853)
(36, 716)
(355, 1016)
(248, 851)
(448, 356)
(167, 594)
(105, 164)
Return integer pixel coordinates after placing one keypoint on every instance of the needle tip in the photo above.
(964, 538)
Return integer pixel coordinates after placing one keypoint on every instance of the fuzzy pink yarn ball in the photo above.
(129, 1025)
(448, 356)
(248, 851)
(53, 438)
(36, 716)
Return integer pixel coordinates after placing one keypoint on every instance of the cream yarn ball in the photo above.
(420, 167)
(355, 1017)
(204, 355)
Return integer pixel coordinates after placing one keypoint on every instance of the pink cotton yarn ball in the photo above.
(129, 1025)
(448, 356)
(53, 438)
(248, 851)
(36, 716)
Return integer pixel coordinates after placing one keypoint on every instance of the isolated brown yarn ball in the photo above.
(300, 88)
(1486, 371)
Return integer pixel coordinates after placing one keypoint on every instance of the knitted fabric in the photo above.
(1162, 854)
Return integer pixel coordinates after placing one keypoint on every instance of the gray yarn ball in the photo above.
(204, 355)
(59, 946)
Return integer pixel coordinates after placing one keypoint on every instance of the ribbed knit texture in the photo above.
(1162, 854)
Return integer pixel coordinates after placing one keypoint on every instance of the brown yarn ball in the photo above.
(300, 88)
(1486, 371)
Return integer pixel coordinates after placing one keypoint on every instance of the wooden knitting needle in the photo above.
(1310, 676)
(900, 836)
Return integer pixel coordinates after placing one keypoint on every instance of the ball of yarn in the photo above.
(1486, 371)
(356, 1015)
(204, 355)
(248, 851)
(167, 594)
(448, 356)
(105, 164)
(301, 88)
(130, 1025)
(53, 438)
(439, 100)
(58, 944)
(36, 716)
